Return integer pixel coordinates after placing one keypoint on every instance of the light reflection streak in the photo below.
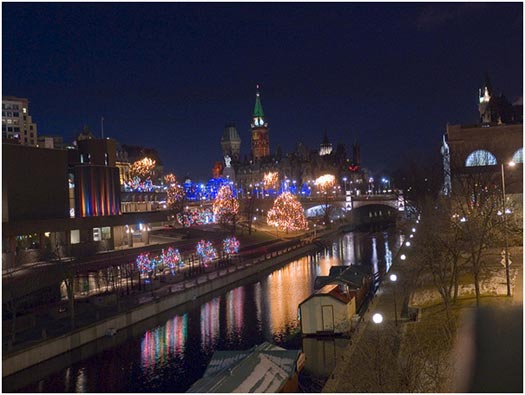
(80, 383)
(349, 251)
(285, 291)
(234, 311)
(157, 344)
(258, 297)
(388, 256)
(210, 321)
(374, 256)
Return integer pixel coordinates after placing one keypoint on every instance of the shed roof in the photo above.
(264, 368)
(331, 290)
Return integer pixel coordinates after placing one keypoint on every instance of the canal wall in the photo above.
(203, 285)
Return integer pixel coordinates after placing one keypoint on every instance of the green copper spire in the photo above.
(258, 110)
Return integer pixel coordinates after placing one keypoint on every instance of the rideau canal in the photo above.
(168, 353)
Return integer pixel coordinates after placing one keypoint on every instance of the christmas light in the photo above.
(287, 213)
(270, 180)
(206, 251)
(175, 193)
(325, 182)
(225, 205)
(144, 263)
(230, 246)
(142, 168)
(172, 259)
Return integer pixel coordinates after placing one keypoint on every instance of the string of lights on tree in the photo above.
(206, 251)
(142, 168)
(287, 213)
(171, 258)
(144, 263)
(195, 216)
(225, 205)
(230, 245)
(174, 192)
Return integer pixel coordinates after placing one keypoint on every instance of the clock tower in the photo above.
(259, 128)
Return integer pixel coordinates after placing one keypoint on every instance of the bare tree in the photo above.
(475, 203)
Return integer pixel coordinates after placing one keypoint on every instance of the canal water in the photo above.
(170, 352)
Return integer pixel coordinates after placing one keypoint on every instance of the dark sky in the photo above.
(171, 75)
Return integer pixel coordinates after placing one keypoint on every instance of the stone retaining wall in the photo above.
(33, 355)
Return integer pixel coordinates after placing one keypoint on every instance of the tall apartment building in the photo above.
(17, 124)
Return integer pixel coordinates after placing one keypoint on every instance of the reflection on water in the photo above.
(159, 343)
(170, 357)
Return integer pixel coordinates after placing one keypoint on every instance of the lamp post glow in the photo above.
(507, 270)
(407, 243)
(403, 257)
(377, 318)
(393, 278)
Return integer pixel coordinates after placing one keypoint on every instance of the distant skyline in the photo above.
(170, 76)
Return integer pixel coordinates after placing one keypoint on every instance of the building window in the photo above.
(30, 134)
(16, 114)
(9, 128)
(9, 121)
(96, 234)
(518, 156)
(480, 158)
(25, 139)
(106, 159)
(15, 107)
(75, 236)
(9, 114)
(106, 233)
(30, 127)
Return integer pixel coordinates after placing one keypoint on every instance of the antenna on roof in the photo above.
(102, 126)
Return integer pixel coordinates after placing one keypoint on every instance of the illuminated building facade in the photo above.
(297, 170)
(496, 140)
(17, 123)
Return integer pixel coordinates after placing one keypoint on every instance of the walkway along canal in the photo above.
(170, 351)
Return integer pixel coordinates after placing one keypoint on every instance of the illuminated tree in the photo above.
(230, 246)
(225, 206)
(175, 192)
(270, 180)
(287, 213)
(324, 183)
(206, 251)
(142, 168)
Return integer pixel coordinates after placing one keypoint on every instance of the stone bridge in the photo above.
(341, 205)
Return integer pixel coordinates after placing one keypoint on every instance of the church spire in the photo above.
(258, 113)
(258, 110)
(260, 138)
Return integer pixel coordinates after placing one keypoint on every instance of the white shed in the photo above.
(327, 311)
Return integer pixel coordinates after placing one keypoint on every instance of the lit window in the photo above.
(480, 158)
(75, 236)
(518, 156)
(96, 234)
(24, 110)
(106, 233)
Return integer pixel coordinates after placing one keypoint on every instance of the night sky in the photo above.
(171, 75)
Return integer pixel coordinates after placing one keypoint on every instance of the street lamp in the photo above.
(377, 318)
(393, 278)
(344, 180)
(403, 257)
(507, 271)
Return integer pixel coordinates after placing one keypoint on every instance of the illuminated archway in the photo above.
(480, 158)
